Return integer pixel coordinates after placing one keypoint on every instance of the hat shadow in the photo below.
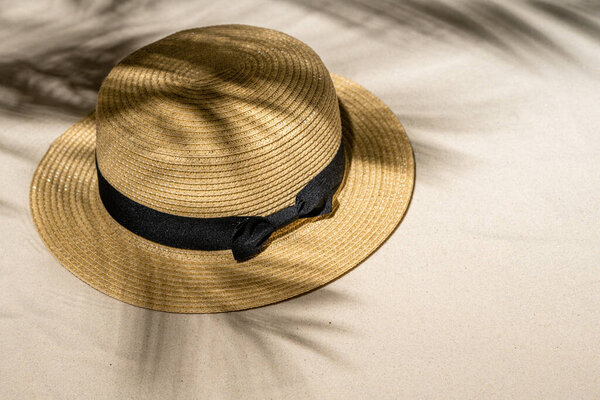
(226, 346)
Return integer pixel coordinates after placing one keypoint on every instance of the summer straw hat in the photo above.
(224, 168)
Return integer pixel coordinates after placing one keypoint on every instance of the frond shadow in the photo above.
(504, 28)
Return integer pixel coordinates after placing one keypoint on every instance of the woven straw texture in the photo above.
(217, 121)
(248, 158)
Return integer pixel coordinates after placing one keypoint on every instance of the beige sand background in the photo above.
(490, 287)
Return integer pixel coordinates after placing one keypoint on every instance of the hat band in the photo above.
(244, 235)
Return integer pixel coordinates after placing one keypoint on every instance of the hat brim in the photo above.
(373, 198)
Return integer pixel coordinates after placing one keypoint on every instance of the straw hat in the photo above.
(224, 168)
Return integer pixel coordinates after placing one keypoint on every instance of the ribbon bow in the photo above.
(251, 233)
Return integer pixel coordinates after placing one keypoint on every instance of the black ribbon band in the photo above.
(245, 236)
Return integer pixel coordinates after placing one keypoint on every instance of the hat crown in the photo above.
(218, 121)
